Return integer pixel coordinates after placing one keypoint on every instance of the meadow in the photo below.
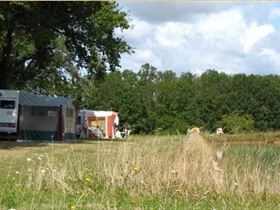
(143, 172)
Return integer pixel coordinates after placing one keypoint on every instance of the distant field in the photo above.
(255, 138)
(143, 172)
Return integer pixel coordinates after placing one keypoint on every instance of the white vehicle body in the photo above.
(9, 101)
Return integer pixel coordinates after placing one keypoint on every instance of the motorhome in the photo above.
(28, 116)
(9, 101)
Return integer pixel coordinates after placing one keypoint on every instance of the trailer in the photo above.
(97, 124)
(31, 117)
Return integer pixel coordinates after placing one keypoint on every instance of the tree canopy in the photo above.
(58, 41)
(153, 100)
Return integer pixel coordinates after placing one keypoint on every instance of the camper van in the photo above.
(28, 117)
(9, 100)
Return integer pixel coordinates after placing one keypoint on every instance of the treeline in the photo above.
(153, 100)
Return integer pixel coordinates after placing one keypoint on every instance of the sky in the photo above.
(230, 37)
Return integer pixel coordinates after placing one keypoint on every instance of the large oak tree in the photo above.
(55, 41)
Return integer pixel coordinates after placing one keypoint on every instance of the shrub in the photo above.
(235, 122)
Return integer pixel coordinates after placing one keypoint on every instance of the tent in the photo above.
(105, 121)
(46, 118)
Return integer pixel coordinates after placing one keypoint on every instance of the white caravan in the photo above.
(9, 100)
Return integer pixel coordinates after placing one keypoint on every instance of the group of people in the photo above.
(219, 131)
(123, 132)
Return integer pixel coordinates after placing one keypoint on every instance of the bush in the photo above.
(171, 125)
(235, 123)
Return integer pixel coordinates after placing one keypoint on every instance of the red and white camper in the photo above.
(97, 124)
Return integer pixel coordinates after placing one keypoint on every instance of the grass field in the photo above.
(148, 172)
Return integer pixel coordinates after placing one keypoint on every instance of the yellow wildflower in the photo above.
(88, 179)
(136, 169)
(178, 190)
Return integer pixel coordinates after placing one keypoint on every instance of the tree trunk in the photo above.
(4, 59)
(3, 82)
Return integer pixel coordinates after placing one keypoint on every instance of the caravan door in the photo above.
(8, 111)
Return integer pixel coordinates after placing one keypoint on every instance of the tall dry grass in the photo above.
(146, 167)
(190, 166)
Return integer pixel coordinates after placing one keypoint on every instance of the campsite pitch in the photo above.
(148, 172)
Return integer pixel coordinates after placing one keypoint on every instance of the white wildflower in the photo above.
(28, 159)
(219, 154)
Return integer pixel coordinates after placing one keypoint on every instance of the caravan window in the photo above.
(5, 104)
(39, 112)
(44, 112)
(52, 113)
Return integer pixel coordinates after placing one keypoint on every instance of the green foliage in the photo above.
(45, 43)
(172, 125)
(235, 123)
(152, 100)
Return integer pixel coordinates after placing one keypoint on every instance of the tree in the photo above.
(37, 37)
(185, 99)
(146, 93)
(211, 93)
(166, 105)
(234, 122)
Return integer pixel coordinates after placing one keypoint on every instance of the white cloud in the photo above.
(139, 30)
(254, 34)
(141, 56)
(229, 30)
(172, 34)
(271, 56)
(220, 26)
(225, 41)
(275, 13)
(221, 30)
(144, 55)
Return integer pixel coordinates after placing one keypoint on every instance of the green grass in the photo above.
(256, 137)
(137, 174)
